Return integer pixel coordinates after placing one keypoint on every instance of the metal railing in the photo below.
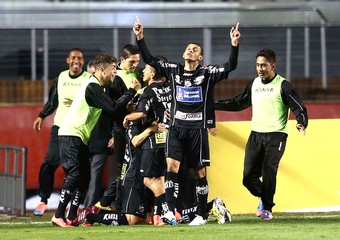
(13, 164)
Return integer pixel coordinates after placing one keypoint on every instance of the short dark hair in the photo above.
(129, 49)
(75, 49)
(269, 54)
(103, 59)
(90, 64)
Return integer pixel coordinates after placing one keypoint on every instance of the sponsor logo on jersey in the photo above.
(71, 84)
(160, 137)
(264, 89)
(214, 69)
(110, 216)
(189, 94)
(167, 64)
(189, 210)
(188, 116)
(202, 190)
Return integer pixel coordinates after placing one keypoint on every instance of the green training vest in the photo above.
(127, 77)
(270, 114)
(81, 118)
(67, 89)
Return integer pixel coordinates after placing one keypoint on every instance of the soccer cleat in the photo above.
(40, 209)
(266, 215)
(59, 222)
(169, 218)
(259, 209)
(227, 216)
(95, 209)
(198, 221)
(220, 212)
(98, 205)
(81, 219)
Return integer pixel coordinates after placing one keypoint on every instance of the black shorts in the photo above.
(133, 201)
(153, 163)
(189, 146)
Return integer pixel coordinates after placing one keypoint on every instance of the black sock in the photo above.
(44, 200)
(65, 197)
(149, 200)
(74, 205)
(202, 195)
(209, 206)
(110, 218)
(171, 190)
(158, 204)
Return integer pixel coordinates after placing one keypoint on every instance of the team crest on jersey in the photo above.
(187, 83)
(189, 94)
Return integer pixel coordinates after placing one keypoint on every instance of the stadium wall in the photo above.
(307, 178)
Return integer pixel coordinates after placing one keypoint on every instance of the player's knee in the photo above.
(172, 165)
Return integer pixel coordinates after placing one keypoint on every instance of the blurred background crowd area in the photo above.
(35, 37)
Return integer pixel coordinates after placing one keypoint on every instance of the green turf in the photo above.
(283, 226)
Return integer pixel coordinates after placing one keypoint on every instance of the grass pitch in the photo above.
(284, 226)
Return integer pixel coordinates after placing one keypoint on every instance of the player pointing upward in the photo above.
(191, 114)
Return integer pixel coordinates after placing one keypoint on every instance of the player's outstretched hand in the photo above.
(138, 29)
(235, 35)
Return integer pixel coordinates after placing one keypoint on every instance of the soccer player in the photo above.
(133, 195)
(76, 128)
(154, 101)
(127, 73)
(271, 96)
(61, 94)
(191, 114)
(100, 147)
(91, 68)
